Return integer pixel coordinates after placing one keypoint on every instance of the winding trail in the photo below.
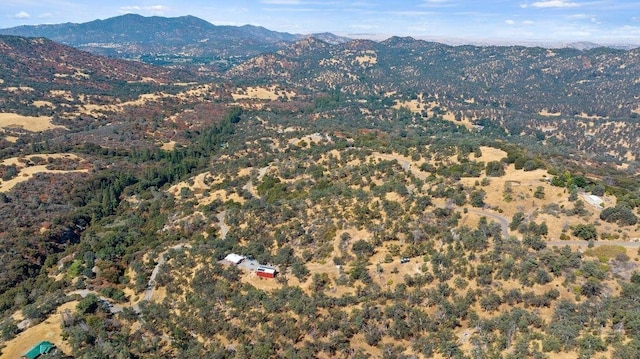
(148, 293)
(113, 308)
(151, 286)
(224, 228)
(585, 244)
(249, 185)
(504, 223)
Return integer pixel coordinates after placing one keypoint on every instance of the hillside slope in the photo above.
(131, 36)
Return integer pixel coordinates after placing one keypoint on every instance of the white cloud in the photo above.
(130, 8)
(153, 9)
(579, 16)
(551, 4)
(523, 22)
(22, 15)
(438, 3)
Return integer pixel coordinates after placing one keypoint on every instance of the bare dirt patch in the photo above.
(29, 123)
(266, 284)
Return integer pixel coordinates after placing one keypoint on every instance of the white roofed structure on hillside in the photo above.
(234, 258)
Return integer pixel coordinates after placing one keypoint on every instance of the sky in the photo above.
(604, 22)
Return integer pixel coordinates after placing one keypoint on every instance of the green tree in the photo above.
(299, 270)
(363, 248)
(517, 218)
(494, 169)
(8, 329)
(477, 198)
(88, 304)
(587, 232)
(591, 288)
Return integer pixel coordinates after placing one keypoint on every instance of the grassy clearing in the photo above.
(50, 329)
(29, 123)
(26, 170)
(606, 252)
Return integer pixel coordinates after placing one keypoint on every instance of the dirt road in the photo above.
(224, 228)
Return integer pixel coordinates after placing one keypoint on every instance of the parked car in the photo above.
(404, 260)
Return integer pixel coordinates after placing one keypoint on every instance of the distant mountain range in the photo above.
(160, 40)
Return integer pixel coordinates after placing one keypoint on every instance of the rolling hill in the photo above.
(132, 36)
(543, 93)
(417, 200)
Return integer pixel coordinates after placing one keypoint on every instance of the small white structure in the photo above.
(595, 200)
(234, 258)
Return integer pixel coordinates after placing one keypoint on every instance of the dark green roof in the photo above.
(41, 348)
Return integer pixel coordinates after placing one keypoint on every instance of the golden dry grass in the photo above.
(522, 185)
(592, 117)
(412, 105)
(314, 138)
(42, 104)
(18, 89)
(490, 154)
(29, 123)
(50, 330)
(261, 93)
(606, 252)
(27, 172)
(200, 187)
(368, 59)
(549, 114)
(169, 146)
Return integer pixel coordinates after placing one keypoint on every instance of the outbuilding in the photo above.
(266, 272)
(39, 349)
(234, 258)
